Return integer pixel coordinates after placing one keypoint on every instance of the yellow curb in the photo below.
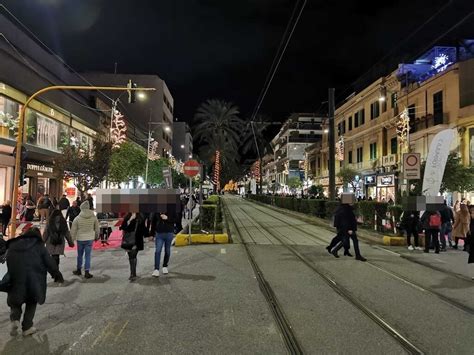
(393, 240)
(183, 239)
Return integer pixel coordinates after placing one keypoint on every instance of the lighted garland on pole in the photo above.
(118, 129)
(217, 170)
(403, 127)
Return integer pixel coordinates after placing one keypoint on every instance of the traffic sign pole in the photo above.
(191, 168)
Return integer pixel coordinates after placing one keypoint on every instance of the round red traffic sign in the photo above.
(412, 160)
(191, 168)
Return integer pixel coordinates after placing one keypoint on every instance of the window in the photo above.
(411, 112)
(438, 107)
(393, 145)
(394, 100)
(374, 110)
(343, 127)
(359, 155)
(349, 156)
(373, 151)
(339, 129)
(384, 106)
(319, 163)
(356, 120)
(350, 123)
(361, 117)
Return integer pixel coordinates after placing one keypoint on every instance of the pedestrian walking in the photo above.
(55, 235)
(410, 222)
(44, 205)
(163, 226)
(90, 199)
(63, 205)
(84, 230)
(431, 224)
(6, 216)
(447, 220)
(29, 210)
(72, 212)
(28, 262)
(461, 225)
(134, 231)
(346, 223)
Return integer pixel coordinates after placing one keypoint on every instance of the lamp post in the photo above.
(21, 123)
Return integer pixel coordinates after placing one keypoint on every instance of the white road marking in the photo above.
(87, 332)
(223, 251)
(441, 261)
(386, 250)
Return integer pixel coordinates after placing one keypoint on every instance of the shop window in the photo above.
(9, 113)
(393, 145)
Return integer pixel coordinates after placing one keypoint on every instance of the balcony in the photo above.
(428, 121)
(305, 125)
(299, 139)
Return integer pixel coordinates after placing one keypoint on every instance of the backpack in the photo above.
(435, 220)
(56, 238)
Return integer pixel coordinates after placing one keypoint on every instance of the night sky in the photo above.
(224, 48)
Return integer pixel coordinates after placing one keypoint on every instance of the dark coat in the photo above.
(63, 203)
(410, 220)
(72, 212)
(470, 240)
(159, 225)
(6, 214)
(447, 214)
(91, 203)
(141, 232)
(28, 262)
(345, 219)
(65, 234)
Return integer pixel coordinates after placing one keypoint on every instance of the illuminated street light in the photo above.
(326, 130)
(167, 129)
(382, 98)
(141, 96)
(182, 146)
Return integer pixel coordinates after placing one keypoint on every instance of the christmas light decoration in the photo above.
(340, 149)
(118, 129)
(153, 151)
(255, 170)
(403, 127)
(217, 170)
(306, 165)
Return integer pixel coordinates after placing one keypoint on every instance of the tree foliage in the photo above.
(87, 168)
(128, 161)
(316, 190)
(347, 176)
(294, 182)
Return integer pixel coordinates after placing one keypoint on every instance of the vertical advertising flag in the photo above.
(436, 162)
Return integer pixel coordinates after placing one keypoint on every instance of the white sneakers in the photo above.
(156, 273)
(30, 331)
(410, 247)
(419, 248)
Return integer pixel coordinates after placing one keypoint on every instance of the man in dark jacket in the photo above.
(91, 201)
(409, 223)
(28, 262)
(63, 205)
(72, 212)
(447, 221)
(346, 223)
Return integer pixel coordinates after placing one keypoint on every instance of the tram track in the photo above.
(292, 343)
(391, 273)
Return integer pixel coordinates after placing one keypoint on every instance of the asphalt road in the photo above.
(211, 302)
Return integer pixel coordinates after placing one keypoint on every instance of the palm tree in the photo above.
(254, 140)
(218, 127)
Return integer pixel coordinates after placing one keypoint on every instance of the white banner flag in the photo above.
(436, 162)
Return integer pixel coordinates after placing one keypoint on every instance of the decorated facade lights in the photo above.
(153, 151)
(340, 149)
(217, 170)
(403, 129)
(118, 129)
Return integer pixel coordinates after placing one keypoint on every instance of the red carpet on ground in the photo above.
(115, 240)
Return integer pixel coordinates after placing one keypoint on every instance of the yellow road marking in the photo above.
(121, 330)
(101, 334)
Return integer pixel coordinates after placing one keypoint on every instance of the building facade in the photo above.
(182, 141)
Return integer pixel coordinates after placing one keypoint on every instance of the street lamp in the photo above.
(141, 96)
(182, 146)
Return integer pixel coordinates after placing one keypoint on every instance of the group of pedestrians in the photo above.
(440, 228)
(32, 255)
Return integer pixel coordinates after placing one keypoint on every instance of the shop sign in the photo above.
(386, 180)
(389, 160)
(411, 166)
(70, 191)
(42, 168)
(370, 180)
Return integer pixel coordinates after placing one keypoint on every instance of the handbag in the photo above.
(128, 238)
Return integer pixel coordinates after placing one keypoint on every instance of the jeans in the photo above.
(160, 239)
(84, 246)
(444, 230)
(431, 235)
(30, 309)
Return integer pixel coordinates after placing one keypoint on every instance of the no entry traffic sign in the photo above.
(411, 166)
(191, 168)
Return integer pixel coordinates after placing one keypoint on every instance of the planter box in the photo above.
(183, 239)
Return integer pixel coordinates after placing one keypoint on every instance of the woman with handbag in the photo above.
(54, 236)
(134, 230)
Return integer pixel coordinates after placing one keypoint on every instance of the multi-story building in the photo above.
(153, 109)
(53, 119)
(182, 141)
(297, 133)
(437, 92)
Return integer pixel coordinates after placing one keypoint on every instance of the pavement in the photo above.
(211, 302)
